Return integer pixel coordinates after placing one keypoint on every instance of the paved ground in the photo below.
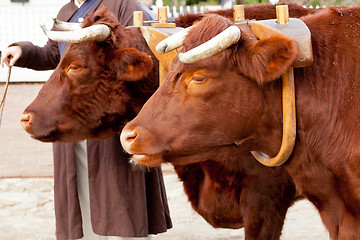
(26, 189)
(20, 155)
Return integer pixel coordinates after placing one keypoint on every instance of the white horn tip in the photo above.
(184, 59)
(161, 47)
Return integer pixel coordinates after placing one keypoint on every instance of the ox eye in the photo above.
(74, 68)
(198, 79)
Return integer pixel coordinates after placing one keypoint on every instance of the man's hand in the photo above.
(14, 52)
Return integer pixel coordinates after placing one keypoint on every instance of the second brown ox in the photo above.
(231, 103)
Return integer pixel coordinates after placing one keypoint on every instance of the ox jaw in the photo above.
(147, 160)
(49, 137)
(44, 137)
(145, 149)
(216, 153)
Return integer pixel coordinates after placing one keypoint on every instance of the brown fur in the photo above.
(227, 104)
(97, 100)
(253, 197)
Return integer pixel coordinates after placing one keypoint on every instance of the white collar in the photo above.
(78, 4)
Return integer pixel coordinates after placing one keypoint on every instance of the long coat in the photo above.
(124, 200)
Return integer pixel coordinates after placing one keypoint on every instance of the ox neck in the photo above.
(268, 139)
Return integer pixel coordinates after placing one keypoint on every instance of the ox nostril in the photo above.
(127, 137)
(25, 120)
(130, 136)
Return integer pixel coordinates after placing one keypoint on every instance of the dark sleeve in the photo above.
(38, 58)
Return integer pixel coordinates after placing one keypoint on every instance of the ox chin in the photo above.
(214, 153)
(148, 160)
(51, 137)
(40, 134)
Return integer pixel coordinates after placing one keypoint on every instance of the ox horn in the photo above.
(99, 32)
(174, 41)
(215, 45)
(66, 26)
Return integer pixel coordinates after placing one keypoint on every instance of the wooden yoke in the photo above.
(297, 30)
(154, 36)
(293, 28)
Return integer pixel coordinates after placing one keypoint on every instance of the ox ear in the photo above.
(129, 64)
(267, 59)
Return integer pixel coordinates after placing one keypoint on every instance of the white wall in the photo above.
(21, 22)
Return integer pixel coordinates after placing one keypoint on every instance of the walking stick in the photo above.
(2, 103)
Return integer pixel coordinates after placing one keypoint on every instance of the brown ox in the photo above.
(231, 103)
(98, 86)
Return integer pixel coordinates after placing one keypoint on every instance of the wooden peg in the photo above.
(162, 16)
(239, 13)
(282, 14)
(138, 18)
(162, 13)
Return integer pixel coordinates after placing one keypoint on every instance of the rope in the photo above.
(2, 103)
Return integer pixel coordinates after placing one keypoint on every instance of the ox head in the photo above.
(214, 104)
(91, 92)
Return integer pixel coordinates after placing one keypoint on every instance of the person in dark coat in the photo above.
(97, 191)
